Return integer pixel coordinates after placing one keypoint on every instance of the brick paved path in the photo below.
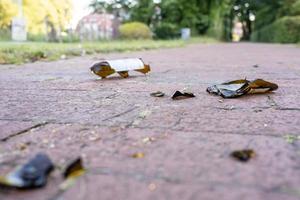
(62, 109)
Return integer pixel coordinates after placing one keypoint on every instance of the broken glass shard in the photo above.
(157, 94)
(138, 155)
(122, 67)
(243, 155)
(182, 95)
(73, 171)
(31, 175)
(241, 87)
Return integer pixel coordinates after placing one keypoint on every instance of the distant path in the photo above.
(62, 109)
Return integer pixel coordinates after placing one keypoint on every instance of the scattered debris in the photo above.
(73, 171)
(23, 146)
(31, 175)
(291, 138)
(182, 95)
(243, 155)
(122, 67)
(157, 94)
(141, 117)
(138, 155)
(256, 66)
(147, 140)
(241, 87)
(94, 138)
(257, 110)
(152, 187)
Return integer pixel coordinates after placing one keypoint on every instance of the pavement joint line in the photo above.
(288, 109)
(5, 139)
(120, 114)
(229, 133)
(47, 89)
(53, 122)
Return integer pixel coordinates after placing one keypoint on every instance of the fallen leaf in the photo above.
(31, 175)
(243, 155)
(241, 87)
(182, 95)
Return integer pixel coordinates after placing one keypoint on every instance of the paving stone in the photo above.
(61, 109)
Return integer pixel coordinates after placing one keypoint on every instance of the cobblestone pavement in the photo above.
(60, 108)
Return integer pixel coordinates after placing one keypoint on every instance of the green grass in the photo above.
(18, 53)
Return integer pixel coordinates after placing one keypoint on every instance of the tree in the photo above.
(243, 10)
(182, 13)
(120, 8)
(7, 11)
(38, 14)
(142, 11)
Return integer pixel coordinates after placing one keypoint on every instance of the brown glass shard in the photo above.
(124, 74)
(73, 171)
(74, 168)
(261, 86)
(122, 67)
(138, 155)
(182, 95)
(243, 155)
(241, 87)
(31, 175)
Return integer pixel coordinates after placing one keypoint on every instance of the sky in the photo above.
(80, 9)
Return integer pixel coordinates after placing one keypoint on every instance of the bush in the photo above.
(135, 30)
(283, 30)
(70, 38)
(166, 31)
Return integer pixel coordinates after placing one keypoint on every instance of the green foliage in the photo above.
(17, 53)
(283, 30)
(192, 14)
(143, 11)
(295, 9)
(70, 38)
(120, 8)
(5, 34)
(202, 24)
(166, 31)
(36, 37)
(8, 10)
(135, 30)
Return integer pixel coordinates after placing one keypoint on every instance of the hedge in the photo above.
(135, 30)
(283, 30)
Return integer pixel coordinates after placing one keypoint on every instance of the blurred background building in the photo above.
(98, 26)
